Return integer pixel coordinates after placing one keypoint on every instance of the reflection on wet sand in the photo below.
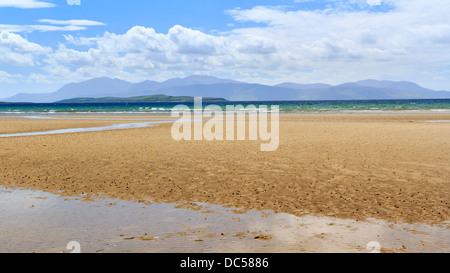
(120, 226)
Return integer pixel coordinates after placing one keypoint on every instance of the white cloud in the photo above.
(141, 53)
(411, 38)
(374, 2)
(72, 22)
(15, 50)
(79, 41)
(5, 77)
(41, 28)
(25, 4)
(140, 50)
(52, 25)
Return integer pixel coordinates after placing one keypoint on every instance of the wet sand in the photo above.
(117, 226)
(390, 167)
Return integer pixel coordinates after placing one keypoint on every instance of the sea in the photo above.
(349, 106)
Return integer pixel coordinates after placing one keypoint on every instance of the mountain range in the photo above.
(208, 86)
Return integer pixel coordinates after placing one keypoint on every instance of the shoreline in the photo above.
(282, 112)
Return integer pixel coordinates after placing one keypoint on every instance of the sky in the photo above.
(45, 44)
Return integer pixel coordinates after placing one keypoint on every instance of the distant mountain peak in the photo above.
(397, 85)
(196, 79)
(302, 86)
(210, 86)
(104, 80)
(201, 77)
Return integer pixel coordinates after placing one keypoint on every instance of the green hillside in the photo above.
(153, 98)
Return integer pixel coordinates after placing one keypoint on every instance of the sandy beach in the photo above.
(392, 167)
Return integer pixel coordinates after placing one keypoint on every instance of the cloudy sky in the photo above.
(45, 44)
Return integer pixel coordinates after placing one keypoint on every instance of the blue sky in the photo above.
(45, 44)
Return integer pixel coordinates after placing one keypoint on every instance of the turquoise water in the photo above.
(285, 106)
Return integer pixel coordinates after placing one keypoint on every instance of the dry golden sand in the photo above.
(390, 167)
